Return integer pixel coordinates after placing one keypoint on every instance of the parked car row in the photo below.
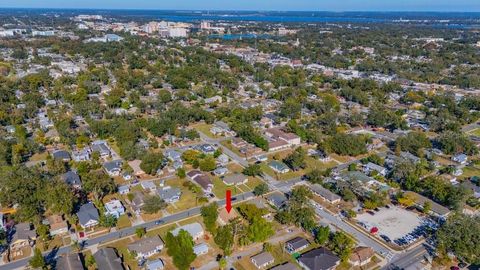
(420, 231)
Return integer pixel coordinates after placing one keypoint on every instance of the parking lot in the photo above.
(394, 222)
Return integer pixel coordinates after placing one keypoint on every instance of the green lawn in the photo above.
(469, 172)
(205, 129)
(228, 144)
(280, 176)
(219, 188)
(253, 182)
(313, 163)
(123, 222)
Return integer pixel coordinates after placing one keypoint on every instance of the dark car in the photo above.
(158, 222)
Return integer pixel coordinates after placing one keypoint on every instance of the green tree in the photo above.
(342, 245)
(208, 164)
(180, 248)
(151, 162)
(210, 215)
(322, 233)
(260, 189)
(153, 204)
(108, 221)
(140, 232)
(296, 160)
(224, 239)
(459, 234)
(260, 230)
(252, 170)
(37, 261)
(98, 183)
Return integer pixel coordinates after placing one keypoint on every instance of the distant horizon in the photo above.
(238, 10)
(444, 6)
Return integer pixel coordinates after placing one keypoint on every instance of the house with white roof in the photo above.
(114, 208)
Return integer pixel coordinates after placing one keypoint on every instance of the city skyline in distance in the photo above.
(251, 5)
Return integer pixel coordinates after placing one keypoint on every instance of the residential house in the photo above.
(200, 249)
(114, 208)
(107, 259)
(156, 264)
(61, 155)
(222, 160)
(88, 216)
(461, 158)
(113, 168)
(262, 260)
(23, 236)
(406, 155)
(135, 165)
(325, 194)
(361, 256)
(125, 189)
(220, 171)
(57, 224)
(207, 149)
(101, 147)
(235, 179)
(372, 167)
(276, 145)
(148, 185)
(81, 155)
(220, 128)
(277, 199)
(194, 229)
(173, 155)
(436, 209)
(69, 262)
(72, 179)
(296, 245)
(239, 143)
(318, 259)
(278, 167)
(138, 202)
(277, 133)
(225, 217)
(285, 266)
(204, 182)
(170, 194)
(194, 173)
(146, 247)
(469, 185)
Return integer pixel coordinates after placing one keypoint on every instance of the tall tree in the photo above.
(180, 248)
(210, 215)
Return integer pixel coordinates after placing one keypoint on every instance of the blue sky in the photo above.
(307, 5)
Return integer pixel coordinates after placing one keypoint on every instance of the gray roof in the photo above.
(86, 213)
(71, 178)
(221, 124)
(168, 193)
(277, 199)
(279, 166)
(286, 266)
(112, 165)
(319, 259)
(146, 245)
(375, 167)
(357, 176)
(69, 262)
(61, 154)
(24, 231)
(107, 259)
(200, 248)
(192, 228)
(234, 179)
(155, 264)
(263, 258)
(297, 242)
(325, 193)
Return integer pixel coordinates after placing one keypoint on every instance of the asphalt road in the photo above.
(409, 258)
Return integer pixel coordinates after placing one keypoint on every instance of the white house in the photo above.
(114, 208)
